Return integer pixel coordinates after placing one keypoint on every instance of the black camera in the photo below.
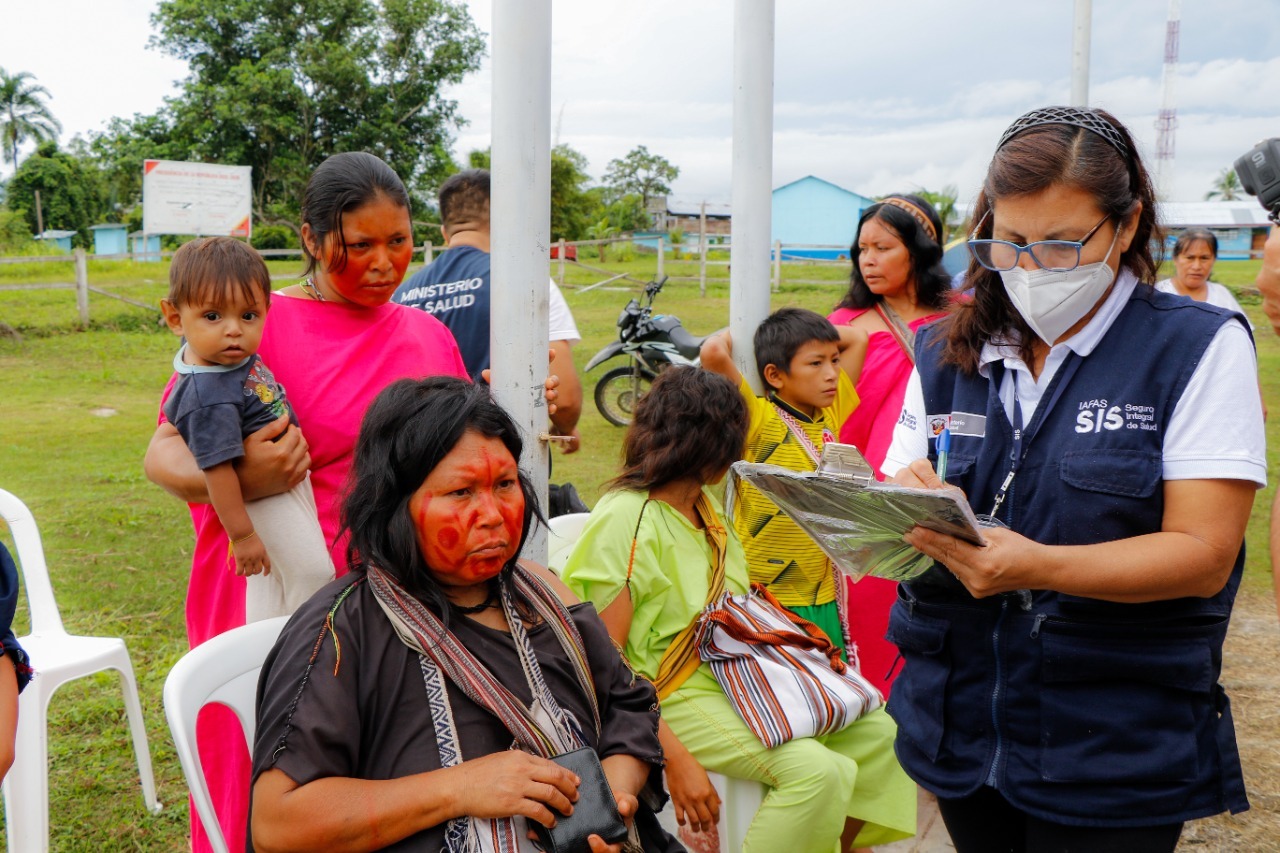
(1259, 173)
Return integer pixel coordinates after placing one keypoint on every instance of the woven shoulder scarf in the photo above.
(681, 659)
(543, 728)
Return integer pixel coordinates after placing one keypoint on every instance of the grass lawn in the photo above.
(119, 549)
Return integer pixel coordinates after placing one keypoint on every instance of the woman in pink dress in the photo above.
(897, 285)
(333, 342)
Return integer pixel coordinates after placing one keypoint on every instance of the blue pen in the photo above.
(944, 448)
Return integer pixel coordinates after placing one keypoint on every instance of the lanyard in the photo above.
(1022, 435)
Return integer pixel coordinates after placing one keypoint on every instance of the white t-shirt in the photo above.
(1216, 429)
(1217, 295)
(560, 318)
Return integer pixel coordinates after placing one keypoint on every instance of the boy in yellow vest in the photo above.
(807, 369)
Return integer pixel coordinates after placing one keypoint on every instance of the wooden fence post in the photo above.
(662, 256)
(702, 250)
(560, 255)
(428, 251)
(82, 287)
(777, 264)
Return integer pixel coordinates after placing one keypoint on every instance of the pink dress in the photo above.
(332, 360)
(881, 388)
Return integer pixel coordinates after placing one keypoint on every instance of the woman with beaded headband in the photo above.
(897, 285)
(1060, 686)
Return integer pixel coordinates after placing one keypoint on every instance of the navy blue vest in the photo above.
(1079, 711)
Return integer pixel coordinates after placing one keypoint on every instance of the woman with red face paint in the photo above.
(415, 703)
(333, 341)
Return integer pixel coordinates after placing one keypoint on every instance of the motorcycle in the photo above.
(652, 343)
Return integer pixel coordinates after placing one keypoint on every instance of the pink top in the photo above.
(332, 360)
(881, 388)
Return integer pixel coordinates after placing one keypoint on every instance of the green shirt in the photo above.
(670, 577)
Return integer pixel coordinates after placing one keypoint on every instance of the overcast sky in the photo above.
(876, 97)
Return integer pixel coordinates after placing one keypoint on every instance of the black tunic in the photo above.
(370, 719)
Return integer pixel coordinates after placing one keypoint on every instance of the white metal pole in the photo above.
(753, 24)
(520, 218)
(1080, 54)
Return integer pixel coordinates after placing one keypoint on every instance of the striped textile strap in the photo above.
(422, 631)
(811, 450)
(681, 658)
(899, 329)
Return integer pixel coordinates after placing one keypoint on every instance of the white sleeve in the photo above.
(910, 434)
(1225, 299)
(561, 322)
(1216, 430)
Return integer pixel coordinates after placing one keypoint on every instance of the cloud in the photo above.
(876, 98)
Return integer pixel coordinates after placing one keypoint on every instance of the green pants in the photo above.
(815, 783)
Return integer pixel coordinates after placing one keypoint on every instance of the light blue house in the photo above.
(145, 247)
(58, 239)
(110, 238)
(811, 213)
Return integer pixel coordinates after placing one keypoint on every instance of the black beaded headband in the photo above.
(1086, 119)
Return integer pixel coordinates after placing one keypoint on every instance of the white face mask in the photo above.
(1052, 302)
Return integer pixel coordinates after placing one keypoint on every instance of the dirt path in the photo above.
(1251, 674)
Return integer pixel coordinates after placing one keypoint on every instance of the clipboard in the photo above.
(857, 521)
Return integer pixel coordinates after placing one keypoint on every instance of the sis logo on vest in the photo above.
(1093, 416)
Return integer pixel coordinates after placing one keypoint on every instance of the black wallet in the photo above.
(595, 812)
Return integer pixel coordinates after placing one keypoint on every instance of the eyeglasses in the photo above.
(1052, 255)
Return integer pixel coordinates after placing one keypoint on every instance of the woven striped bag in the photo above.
(781, 673)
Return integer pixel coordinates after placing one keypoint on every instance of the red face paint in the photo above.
(469, 512)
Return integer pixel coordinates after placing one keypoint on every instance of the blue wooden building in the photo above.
(60, 240)
(812, 212)
(110, 238)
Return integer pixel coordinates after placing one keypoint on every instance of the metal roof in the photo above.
(51, 234)
(1213, 214)
(693, 207)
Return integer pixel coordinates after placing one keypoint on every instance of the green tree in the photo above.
(602, 229)
(572, 208)
(121, 150)
(281, 86)
(70, 188)
(944, 202)
(23, 113)
(1226, 187)
(641, 173)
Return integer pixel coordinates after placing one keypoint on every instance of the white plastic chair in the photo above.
(740, 799)
(223, 670)
(57, 657)
(563, 533)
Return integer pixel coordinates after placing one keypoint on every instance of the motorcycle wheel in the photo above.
(619, 390)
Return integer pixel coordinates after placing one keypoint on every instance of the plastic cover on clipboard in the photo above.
(857, 521)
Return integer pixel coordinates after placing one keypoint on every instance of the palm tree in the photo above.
(23, 113)
(944, 202)
(1226, 187)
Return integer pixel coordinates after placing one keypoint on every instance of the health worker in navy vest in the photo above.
(455, 289)
(1060, 686)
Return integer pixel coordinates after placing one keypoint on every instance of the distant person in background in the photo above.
(897, 285)
(1194, 255)
(456, 290)
(15, 669)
